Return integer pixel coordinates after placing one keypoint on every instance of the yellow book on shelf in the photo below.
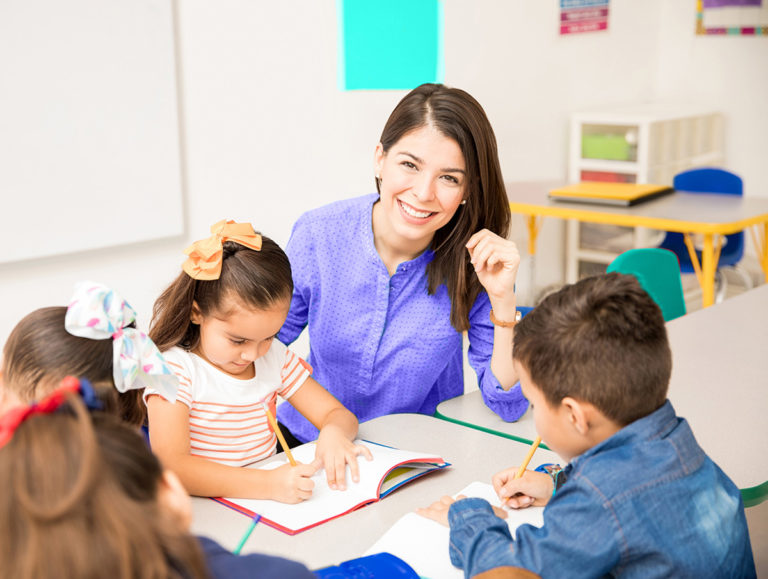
(603, 193)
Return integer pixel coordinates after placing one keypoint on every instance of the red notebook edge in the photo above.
(438, 462)
(281, 528)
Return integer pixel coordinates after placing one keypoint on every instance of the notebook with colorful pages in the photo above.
(390, 469)
(603, 193)
(423, 543)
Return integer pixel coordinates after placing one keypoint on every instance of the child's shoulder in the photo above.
(657, 455)
(177, 357)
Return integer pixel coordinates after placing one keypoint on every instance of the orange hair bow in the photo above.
(205, 255)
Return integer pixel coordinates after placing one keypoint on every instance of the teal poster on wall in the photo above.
(390, 44)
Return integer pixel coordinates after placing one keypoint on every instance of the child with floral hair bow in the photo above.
(83, 496)
(95, 338)
(216, 325)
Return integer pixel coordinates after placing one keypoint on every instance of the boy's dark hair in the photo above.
(602, 341)
(258, 279)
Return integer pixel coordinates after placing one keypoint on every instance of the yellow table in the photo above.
(711, 216)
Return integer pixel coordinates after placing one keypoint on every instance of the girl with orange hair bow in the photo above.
(216, 326)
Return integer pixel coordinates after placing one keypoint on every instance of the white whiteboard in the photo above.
(89, 126)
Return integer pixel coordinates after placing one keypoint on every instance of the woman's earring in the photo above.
(378, 177)
(463, 202)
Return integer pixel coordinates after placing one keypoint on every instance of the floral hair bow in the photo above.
(11, 420)
(98, 313)
(205, 255)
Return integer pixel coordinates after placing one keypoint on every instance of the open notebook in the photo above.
(603, 193)
(423, 543)
(390, 469)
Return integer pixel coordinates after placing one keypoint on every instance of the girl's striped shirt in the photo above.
(227, 422)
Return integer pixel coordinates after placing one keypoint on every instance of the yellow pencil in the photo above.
(279, 434)
(528, 458)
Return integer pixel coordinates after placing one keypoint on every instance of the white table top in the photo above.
(719, 384)
(474, 456)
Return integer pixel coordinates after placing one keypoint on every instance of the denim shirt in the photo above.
(379, 343)
(646, 502)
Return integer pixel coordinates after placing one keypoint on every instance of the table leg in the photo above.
(708, 271)
(761, 246)
(572, 242)
(763, 251)
(534, 225)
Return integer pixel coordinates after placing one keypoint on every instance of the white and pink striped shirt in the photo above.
(227, 423)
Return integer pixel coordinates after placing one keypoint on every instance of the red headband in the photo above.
(11, 420)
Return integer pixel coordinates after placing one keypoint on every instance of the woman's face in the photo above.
(423, 181)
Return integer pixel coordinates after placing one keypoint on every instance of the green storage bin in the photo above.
(610, 147)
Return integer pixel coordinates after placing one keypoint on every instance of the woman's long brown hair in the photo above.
(458, 116)
(80, 500)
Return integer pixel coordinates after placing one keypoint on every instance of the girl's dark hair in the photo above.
(40, 352)
(458, 116)
(80, 499)
(258, 279)
(602, 341)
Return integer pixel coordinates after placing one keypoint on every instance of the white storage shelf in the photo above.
(647, 143)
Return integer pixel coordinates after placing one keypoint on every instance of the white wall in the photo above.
(267, 134)
(729, 74)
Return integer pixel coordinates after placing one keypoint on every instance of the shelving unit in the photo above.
(647, 143)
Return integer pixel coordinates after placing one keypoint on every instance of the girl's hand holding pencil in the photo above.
(291, 484)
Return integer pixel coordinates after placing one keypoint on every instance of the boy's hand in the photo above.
(438, 511)
(531, 489)
(334, 452)
(292, 484)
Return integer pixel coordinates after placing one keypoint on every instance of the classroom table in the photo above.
(711, 216)
(474, 456)
(719, 384)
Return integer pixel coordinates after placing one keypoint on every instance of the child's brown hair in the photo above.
(257, 278)
(40, 352)
(80, 500)
(602, 341)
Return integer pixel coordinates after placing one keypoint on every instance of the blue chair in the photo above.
(658, 272)
(709, 180)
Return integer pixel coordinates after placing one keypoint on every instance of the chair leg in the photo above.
(744, 275)
(721, 286)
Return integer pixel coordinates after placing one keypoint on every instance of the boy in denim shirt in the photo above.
(639, 497)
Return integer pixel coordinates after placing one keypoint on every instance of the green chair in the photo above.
(658, 271)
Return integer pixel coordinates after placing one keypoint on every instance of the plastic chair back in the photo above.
(658, 272)
(713, 181)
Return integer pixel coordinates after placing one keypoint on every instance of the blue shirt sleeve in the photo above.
(508, 404)
(479, 539)
(300, 249)
(579, 537)
(225, 565)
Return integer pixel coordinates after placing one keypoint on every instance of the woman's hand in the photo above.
(334, 452)
(496, 261)
(533, 489)
(291, 484)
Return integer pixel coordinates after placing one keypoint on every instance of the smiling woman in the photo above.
(386, 283)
